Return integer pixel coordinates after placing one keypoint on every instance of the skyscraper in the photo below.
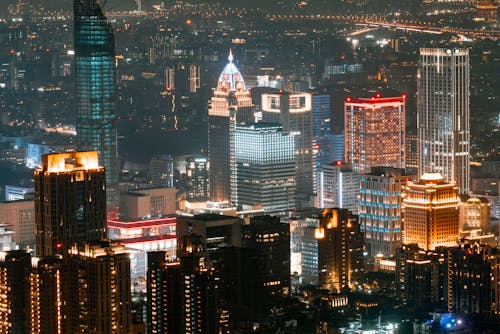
(375, 132)
(321, 110)
(95, 72)
(230, 104)
(294, 112)
(431, 213)
(380, 209)
(70, 201)
(265, 167)
(97, 289)
(443, 114)
(338, 187)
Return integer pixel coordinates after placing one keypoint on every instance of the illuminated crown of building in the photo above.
(231, 78)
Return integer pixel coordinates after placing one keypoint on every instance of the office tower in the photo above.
(96, 89)
(472, 280)
(215, 230)
(380, 209)
(303, 251)
(375, 132)
(197, 171)
(430, 211)
(194, 78)
(45, 282)
(14, 295)
(6, 242)
(20, 217)
(337, 147)
(231, 104)
(443, 115)
(183, 296)
(97, 288)
(265, 167)
(338, 187)
(162, 171)
(340, 249)
(294, 112)
(412, 153)
(321, 133)
(421, 276)
(271, 239)
(475, 214)
(16, 193)
(70, 201)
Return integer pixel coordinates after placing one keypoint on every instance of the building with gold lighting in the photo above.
(97, 289)
(431, 212)
(70, 201)
(375, 132)
(230, 104)
(340, 249)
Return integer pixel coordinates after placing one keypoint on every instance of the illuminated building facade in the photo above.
(430, 210)
(271, 239)
(150, 202)
(162, 171)
(141, 236)
(412, 153)
(375, 132)
(321, 109)
(182, 296)
(475, 216)
(97, 288)
(70, 201)
(473, 278)
(95, 74)
(14, 294)
(380, 214)
(340, 249)
(265, 167)
(45, 282)
(197, 170)
(443, 115)
(338, 187)
(294, 112)
(231, 104)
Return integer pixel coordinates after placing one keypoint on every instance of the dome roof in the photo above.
(231, 78)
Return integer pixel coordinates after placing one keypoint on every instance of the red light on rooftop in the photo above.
(281, 91)
(348, 99)
(338, 163)
(59, 245)
(378, 95)
(403, 95)
(373, 98)
(12, 51)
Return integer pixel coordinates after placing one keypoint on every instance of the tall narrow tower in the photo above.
(96, 89)
(443, 114)
(230, 104)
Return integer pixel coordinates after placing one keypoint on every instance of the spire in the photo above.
(230, 57)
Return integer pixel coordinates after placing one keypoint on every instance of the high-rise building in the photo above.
(162, 171)
(340, 249)
(14, 294)
(412, 154)
(70, 201)
(20, 217)
(294, 112)
(430, 211)
(97, 289)
(231, 104)
(321, 110)
(197, 171)
(475, 214)
(443, 115)
(473, 279)
(338, 187)
(271, 239)
(96, 89)
(265, 167)
(375, 132)
(303, 250)
(380, 214)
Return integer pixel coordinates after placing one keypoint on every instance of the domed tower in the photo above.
(230, 104)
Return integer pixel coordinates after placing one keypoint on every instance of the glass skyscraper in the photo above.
(443, 115)
(96, 89)
(265, 166)
(321, 132)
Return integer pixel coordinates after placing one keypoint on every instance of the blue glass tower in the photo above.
(96, 88)
(321, 132)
